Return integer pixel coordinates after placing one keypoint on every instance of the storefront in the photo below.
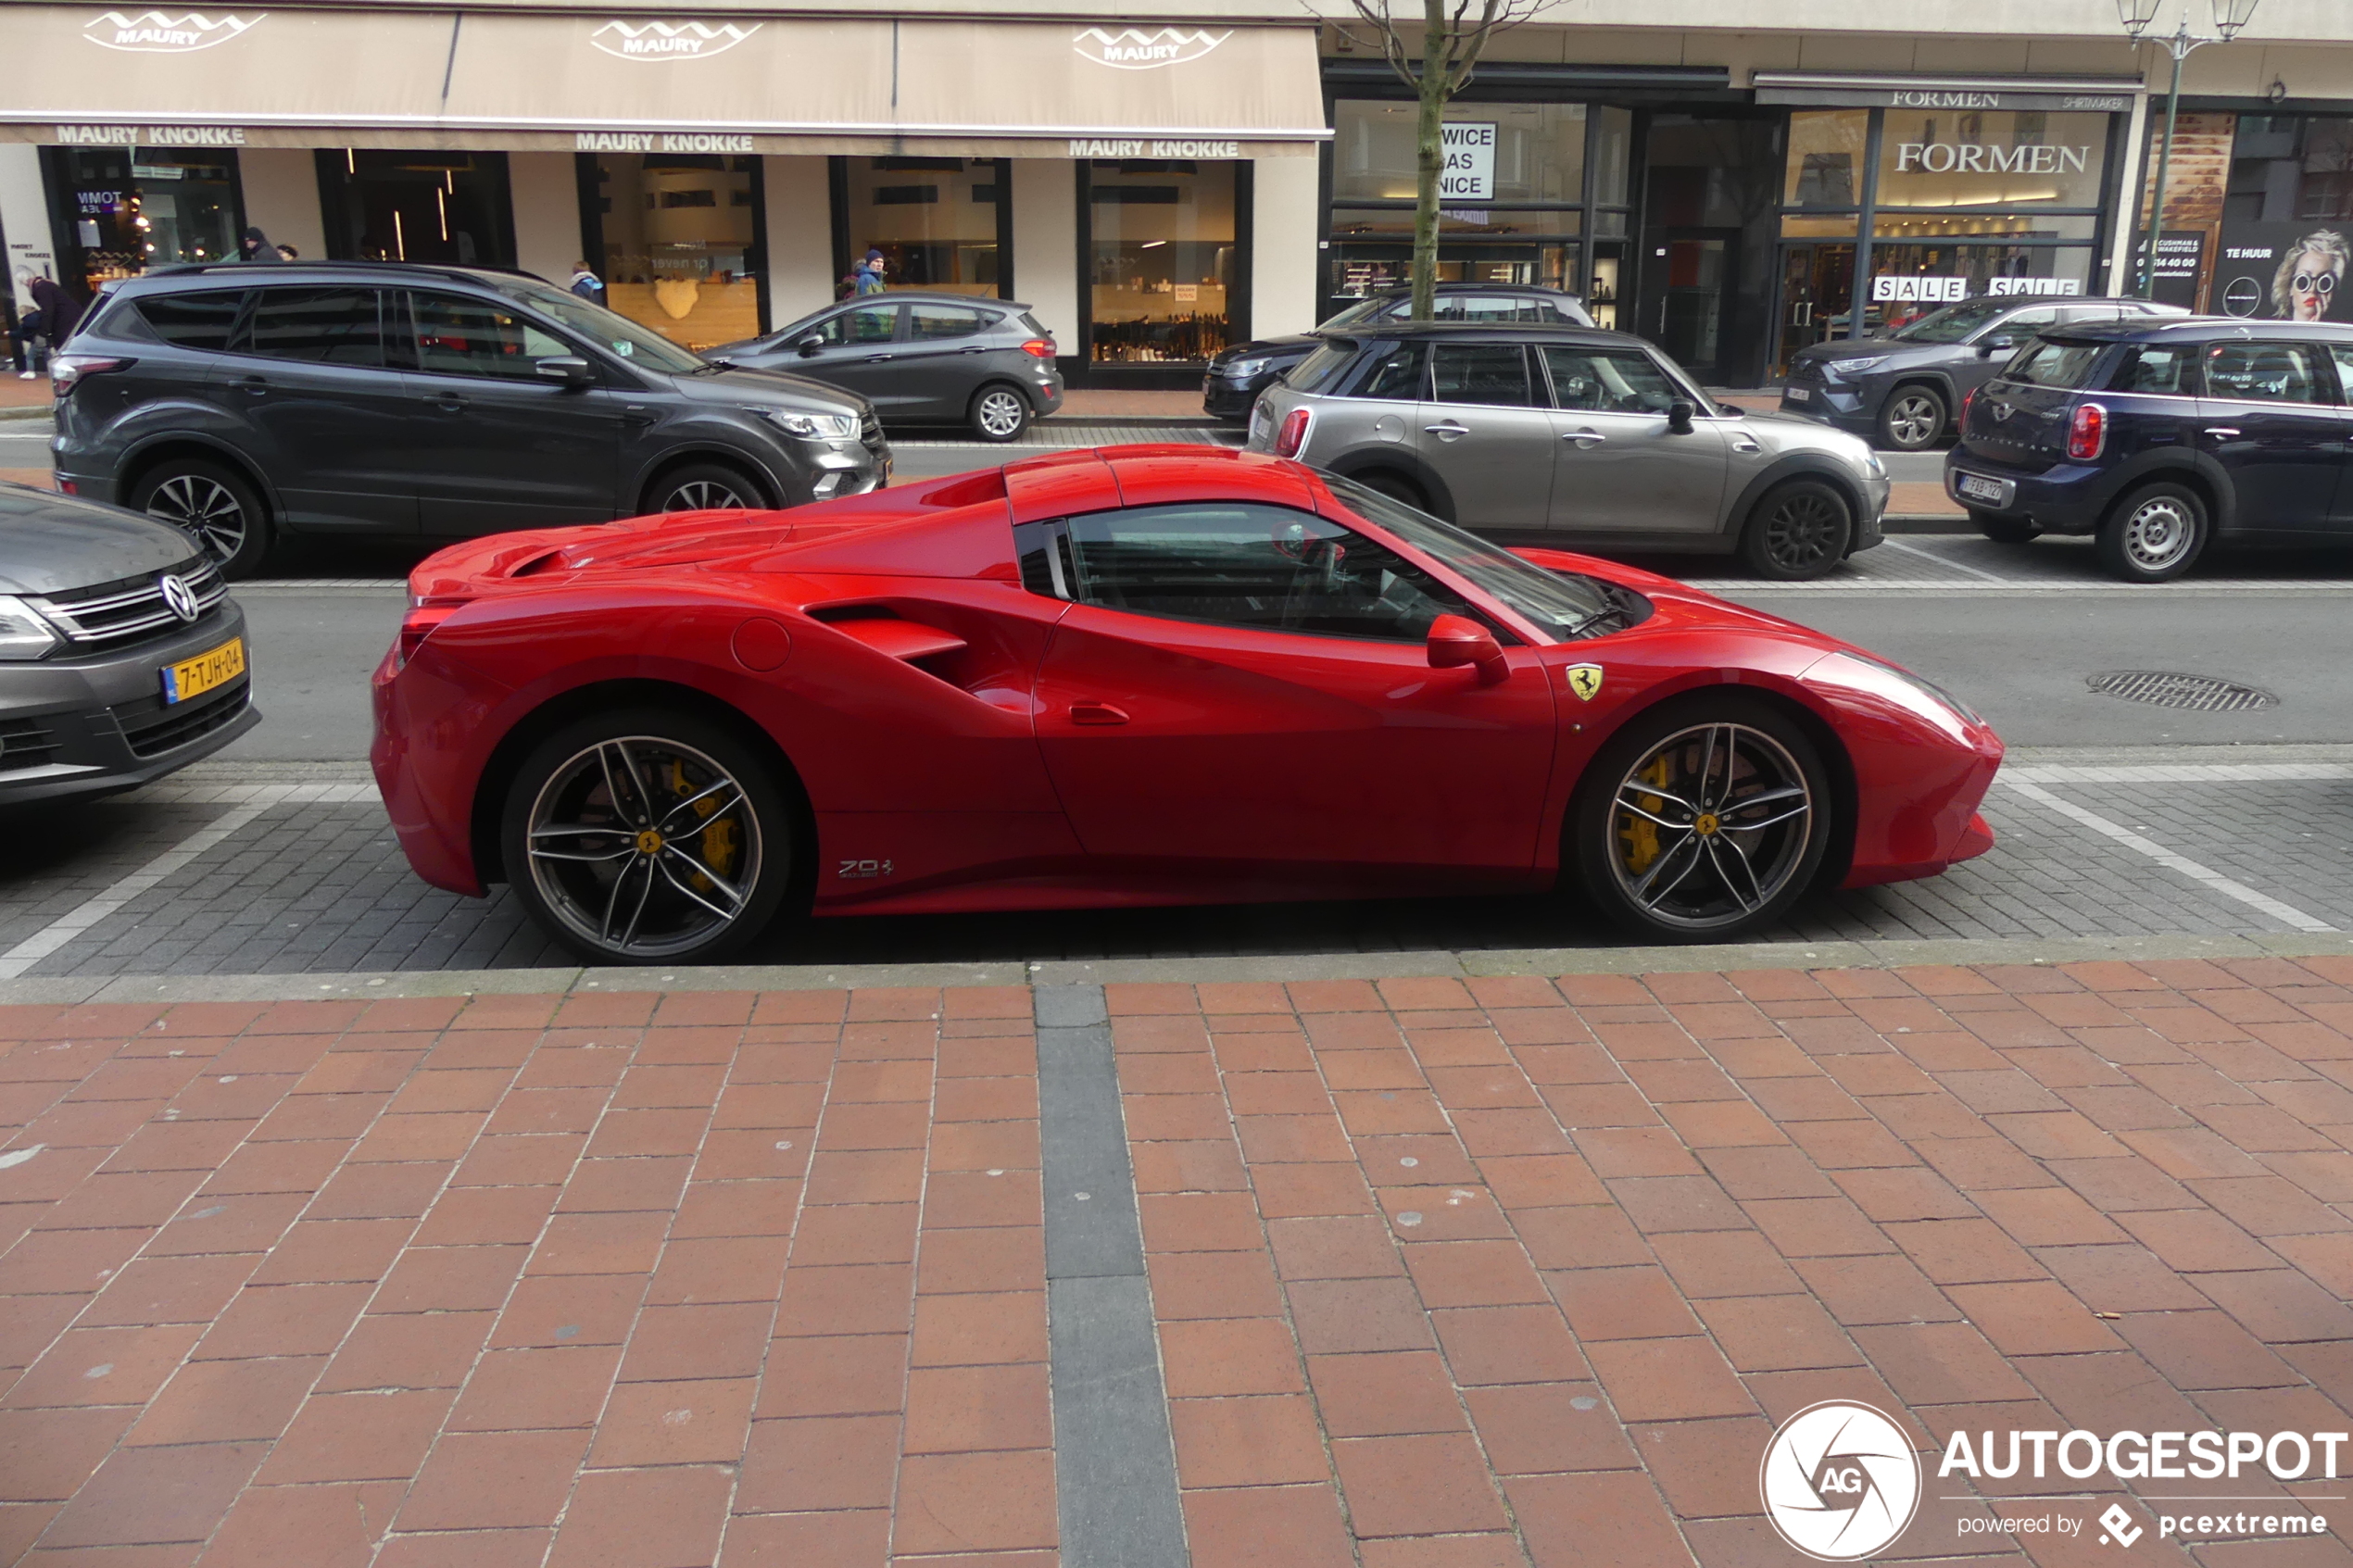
(720, 176)
(2283, 220)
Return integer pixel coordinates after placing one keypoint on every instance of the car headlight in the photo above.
(1854, 367)
(23, 632)
(1924, 699)
(1242, 370)
(812, 427)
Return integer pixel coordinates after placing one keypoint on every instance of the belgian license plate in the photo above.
(1979, 488)
(1798, 394)
(194, 677)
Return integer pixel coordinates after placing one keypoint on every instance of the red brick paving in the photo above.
(1505, 1271)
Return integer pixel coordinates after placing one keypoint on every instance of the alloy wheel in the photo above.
(2158, 534)
(1710, 826)
(644, 847)
(1001, 413)
(1914, 420)
(1804, 532)
(703, 495)
(205, 509)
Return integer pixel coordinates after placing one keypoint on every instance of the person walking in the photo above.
(870, 274)
(288, 253)
(255, 247)
(586, 285)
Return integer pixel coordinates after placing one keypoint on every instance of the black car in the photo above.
(1903, 390)
(1238, 374)
(2160, 437)
(240, 403)
(922, 359)
(122, 657)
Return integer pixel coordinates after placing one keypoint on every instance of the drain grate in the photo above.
(2205, 694)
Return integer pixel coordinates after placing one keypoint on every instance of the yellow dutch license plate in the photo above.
(194, 677)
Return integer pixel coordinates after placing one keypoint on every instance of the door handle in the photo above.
(637, 414)
(2221, 432)
(448, 402)
(1585, 438)
(876, 358)
(1096, 713)
(256, 385)
(1747, 446)
(1448, 431)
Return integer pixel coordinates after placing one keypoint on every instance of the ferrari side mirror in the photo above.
(1456, 640)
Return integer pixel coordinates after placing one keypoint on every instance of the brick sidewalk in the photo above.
(1442, 1276)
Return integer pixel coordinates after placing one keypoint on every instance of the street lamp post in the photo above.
(2229, 16)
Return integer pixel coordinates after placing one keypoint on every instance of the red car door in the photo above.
(1247, 682)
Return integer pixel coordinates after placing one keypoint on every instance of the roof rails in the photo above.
(180, 269)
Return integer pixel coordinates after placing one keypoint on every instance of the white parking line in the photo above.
(1942, 560)
(2183, 772)
(254, 799)
(2229, 888)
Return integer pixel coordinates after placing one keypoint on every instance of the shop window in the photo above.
(1502, 152)
(448, 208)
(1372, 248)
(681, 245)
(130, 209)
(1825, 152)
(1991, 158)
(938, 221)
(1162, 259)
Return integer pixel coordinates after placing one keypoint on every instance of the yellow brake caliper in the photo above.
(718, 838)
(1638, 834)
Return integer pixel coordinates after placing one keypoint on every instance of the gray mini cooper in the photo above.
(1574, 437)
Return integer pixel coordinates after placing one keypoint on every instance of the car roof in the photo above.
(248, 273)
(1479, 332)
(1400, 290)
(930, 297)
(2153, 329)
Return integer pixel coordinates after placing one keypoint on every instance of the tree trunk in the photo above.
(1429, 158)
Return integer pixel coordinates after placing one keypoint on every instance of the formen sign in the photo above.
(1986, 157)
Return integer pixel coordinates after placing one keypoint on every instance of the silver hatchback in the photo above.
(1577, 437)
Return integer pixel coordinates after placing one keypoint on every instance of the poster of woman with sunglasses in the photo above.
(2282, 271)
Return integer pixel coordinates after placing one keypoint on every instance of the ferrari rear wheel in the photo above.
(648, 838)
(1703, 821)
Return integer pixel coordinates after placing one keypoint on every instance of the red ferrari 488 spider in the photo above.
(1132, 675)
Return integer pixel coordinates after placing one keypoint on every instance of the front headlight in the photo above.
(23, 632)
(812, 427)
(1854, 367)
(1242, 370)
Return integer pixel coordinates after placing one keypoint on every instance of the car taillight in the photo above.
(1040, 349)
(1968, 401)
(2087, 432)
(417, 626)
(1294, 435)
(67, 370)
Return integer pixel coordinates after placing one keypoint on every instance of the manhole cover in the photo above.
(2207, 693)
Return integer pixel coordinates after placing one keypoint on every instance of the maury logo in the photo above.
(1839, 1481)
(1132, 48)
(670, 41)
(165, 32)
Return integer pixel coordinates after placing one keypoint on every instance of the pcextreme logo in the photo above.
(1132, 48)
(165, 32)
(1839, 1481)
(670, 41)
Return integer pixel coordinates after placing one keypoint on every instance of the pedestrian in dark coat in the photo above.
(61, 312)
(255, 247)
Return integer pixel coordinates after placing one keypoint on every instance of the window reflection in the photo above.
(1162, 259)
(935, 219)
(679, 244)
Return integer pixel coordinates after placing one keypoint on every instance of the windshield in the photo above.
(1558, 604)
(1952, 323)
(639, 345)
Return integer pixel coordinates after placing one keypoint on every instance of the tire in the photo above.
(215, 505)
(1913, 418)
(2004, 529)
(612, 881)
(1654, 790)
(1798, 530)
(1396, 486)
(694, 487)
(2155, 534)
(998, 413)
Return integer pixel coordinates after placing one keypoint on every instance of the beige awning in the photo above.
(727, 83)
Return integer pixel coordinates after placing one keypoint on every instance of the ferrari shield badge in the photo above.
(1585, 680)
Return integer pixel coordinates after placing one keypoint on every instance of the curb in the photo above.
(29, 411)
(68, 991)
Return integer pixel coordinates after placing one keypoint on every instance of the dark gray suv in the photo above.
(240, 403)
(922, 359)
(1904, 391)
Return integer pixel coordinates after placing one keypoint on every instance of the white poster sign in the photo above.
(1470, 174)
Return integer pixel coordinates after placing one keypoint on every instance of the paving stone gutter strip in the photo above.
(1115, 1463)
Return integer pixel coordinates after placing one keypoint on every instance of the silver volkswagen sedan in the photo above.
(1574, 437)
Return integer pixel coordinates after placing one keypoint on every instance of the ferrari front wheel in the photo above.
(1703, 822)
(648, 838)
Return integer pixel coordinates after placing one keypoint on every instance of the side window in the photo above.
(1481, 308)
(932, 321)
(1492, 373)
(1607, 381)
(2026, 324)
(472, 337)
(2152, 367)
(194, 320)
(1267, 567)
(2270, 372)
(1396, 375)
(867, 323)
(321, 326)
